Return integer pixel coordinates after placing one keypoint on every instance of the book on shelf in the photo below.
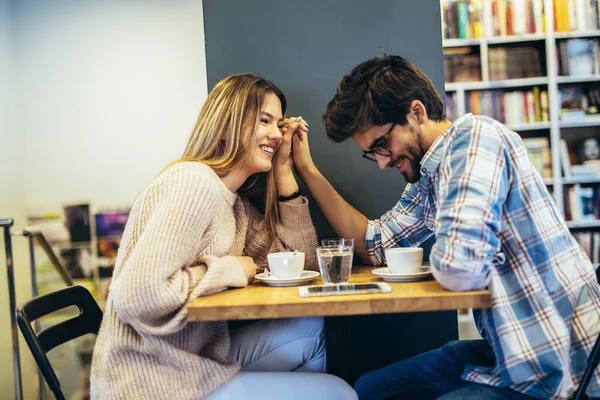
(573, 103)
(583, 171)
(565, 159)
(451, 106)
(512, 108)
(590, 243)
(514, 62)
(540, 155)
(576, 15)
(462, 64)
(462, 19)
(517, 17)
(577, 102)
(577, 57)
(593, 165)
(581, 203)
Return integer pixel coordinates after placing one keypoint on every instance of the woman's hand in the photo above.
(291, 128)
(286, 182)
(248, 266)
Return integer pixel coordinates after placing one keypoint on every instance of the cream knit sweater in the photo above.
(179, 243)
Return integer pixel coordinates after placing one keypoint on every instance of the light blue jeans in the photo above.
(281, 359)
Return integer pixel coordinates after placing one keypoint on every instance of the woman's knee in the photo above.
(285, 385)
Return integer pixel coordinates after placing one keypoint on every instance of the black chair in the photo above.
(592, 362)
(88, 321)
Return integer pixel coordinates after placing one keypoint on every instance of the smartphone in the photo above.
(336, 290)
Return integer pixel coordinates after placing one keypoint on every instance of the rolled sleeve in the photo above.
(469, 208)
(402, 226)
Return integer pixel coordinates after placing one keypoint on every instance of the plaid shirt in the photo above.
(497, 226)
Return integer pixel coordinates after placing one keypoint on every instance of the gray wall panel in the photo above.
(305, 47)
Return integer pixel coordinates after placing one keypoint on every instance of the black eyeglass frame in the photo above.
(379, 147)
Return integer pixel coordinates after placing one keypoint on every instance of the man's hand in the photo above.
(291, 128)
(303, 161)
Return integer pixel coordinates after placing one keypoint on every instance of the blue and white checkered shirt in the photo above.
(497, 226)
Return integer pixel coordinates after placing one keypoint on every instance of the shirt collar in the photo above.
(432, 158)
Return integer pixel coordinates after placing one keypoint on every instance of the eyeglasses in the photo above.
(379, 147)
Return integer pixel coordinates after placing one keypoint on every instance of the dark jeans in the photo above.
(434, 375)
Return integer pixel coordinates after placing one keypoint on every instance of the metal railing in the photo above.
(33, 234)
(6, 224)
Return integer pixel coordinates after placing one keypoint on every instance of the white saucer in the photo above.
(389, 276)
(271, 280)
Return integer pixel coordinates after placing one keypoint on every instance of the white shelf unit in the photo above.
(578, 79)
(583, 224)
(581, 180)
(532, 126)
(576, 34)
(551, 81)
(587, 121)
(508, 83)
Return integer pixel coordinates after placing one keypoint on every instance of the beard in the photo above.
(412, 175)
(415, 153)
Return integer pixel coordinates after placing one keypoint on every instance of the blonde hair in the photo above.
(219, 138)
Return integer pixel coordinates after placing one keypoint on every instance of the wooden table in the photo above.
(259, 301)
(360, 336)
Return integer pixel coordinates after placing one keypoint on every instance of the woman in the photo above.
(193, 232)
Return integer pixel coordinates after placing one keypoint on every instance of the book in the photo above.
(539, 153)
(565, 160)
(581, 58)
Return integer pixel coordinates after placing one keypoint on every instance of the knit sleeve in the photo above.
(294, 231)
(158, 279)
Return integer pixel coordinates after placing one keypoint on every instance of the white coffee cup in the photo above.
(286, 264)
(404, 260)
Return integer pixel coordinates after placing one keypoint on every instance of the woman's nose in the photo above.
(274, 133)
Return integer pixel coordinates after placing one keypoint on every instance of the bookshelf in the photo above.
(583, 224)
(494, 37)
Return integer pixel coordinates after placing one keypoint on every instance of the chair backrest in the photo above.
(88, 321)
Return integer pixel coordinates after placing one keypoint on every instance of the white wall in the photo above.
(109, 91)
(11, 202)
(105, 94)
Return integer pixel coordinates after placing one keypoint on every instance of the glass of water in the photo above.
(335, 263)
(342, 244)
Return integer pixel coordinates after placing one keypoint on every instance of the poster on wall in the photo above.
(110, 225)
(77, 219)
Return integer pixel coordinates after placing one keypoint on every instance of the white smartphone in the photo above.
(336, 290)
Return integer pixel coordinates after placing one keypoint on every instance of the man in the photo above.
(471, 185)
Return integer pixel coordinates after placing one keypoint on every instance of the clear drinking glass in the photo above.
(335, 263)
(341, 243)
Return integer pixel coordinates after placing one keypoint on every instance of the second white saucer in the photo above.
(389, 276)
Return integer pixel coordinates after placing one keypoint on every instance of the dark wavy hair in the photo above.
(376, 92)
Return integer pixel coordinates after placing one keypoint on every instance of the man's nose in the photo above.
(382, 161)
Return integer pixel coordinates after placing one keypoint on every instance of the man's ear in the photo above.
(417, 112)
